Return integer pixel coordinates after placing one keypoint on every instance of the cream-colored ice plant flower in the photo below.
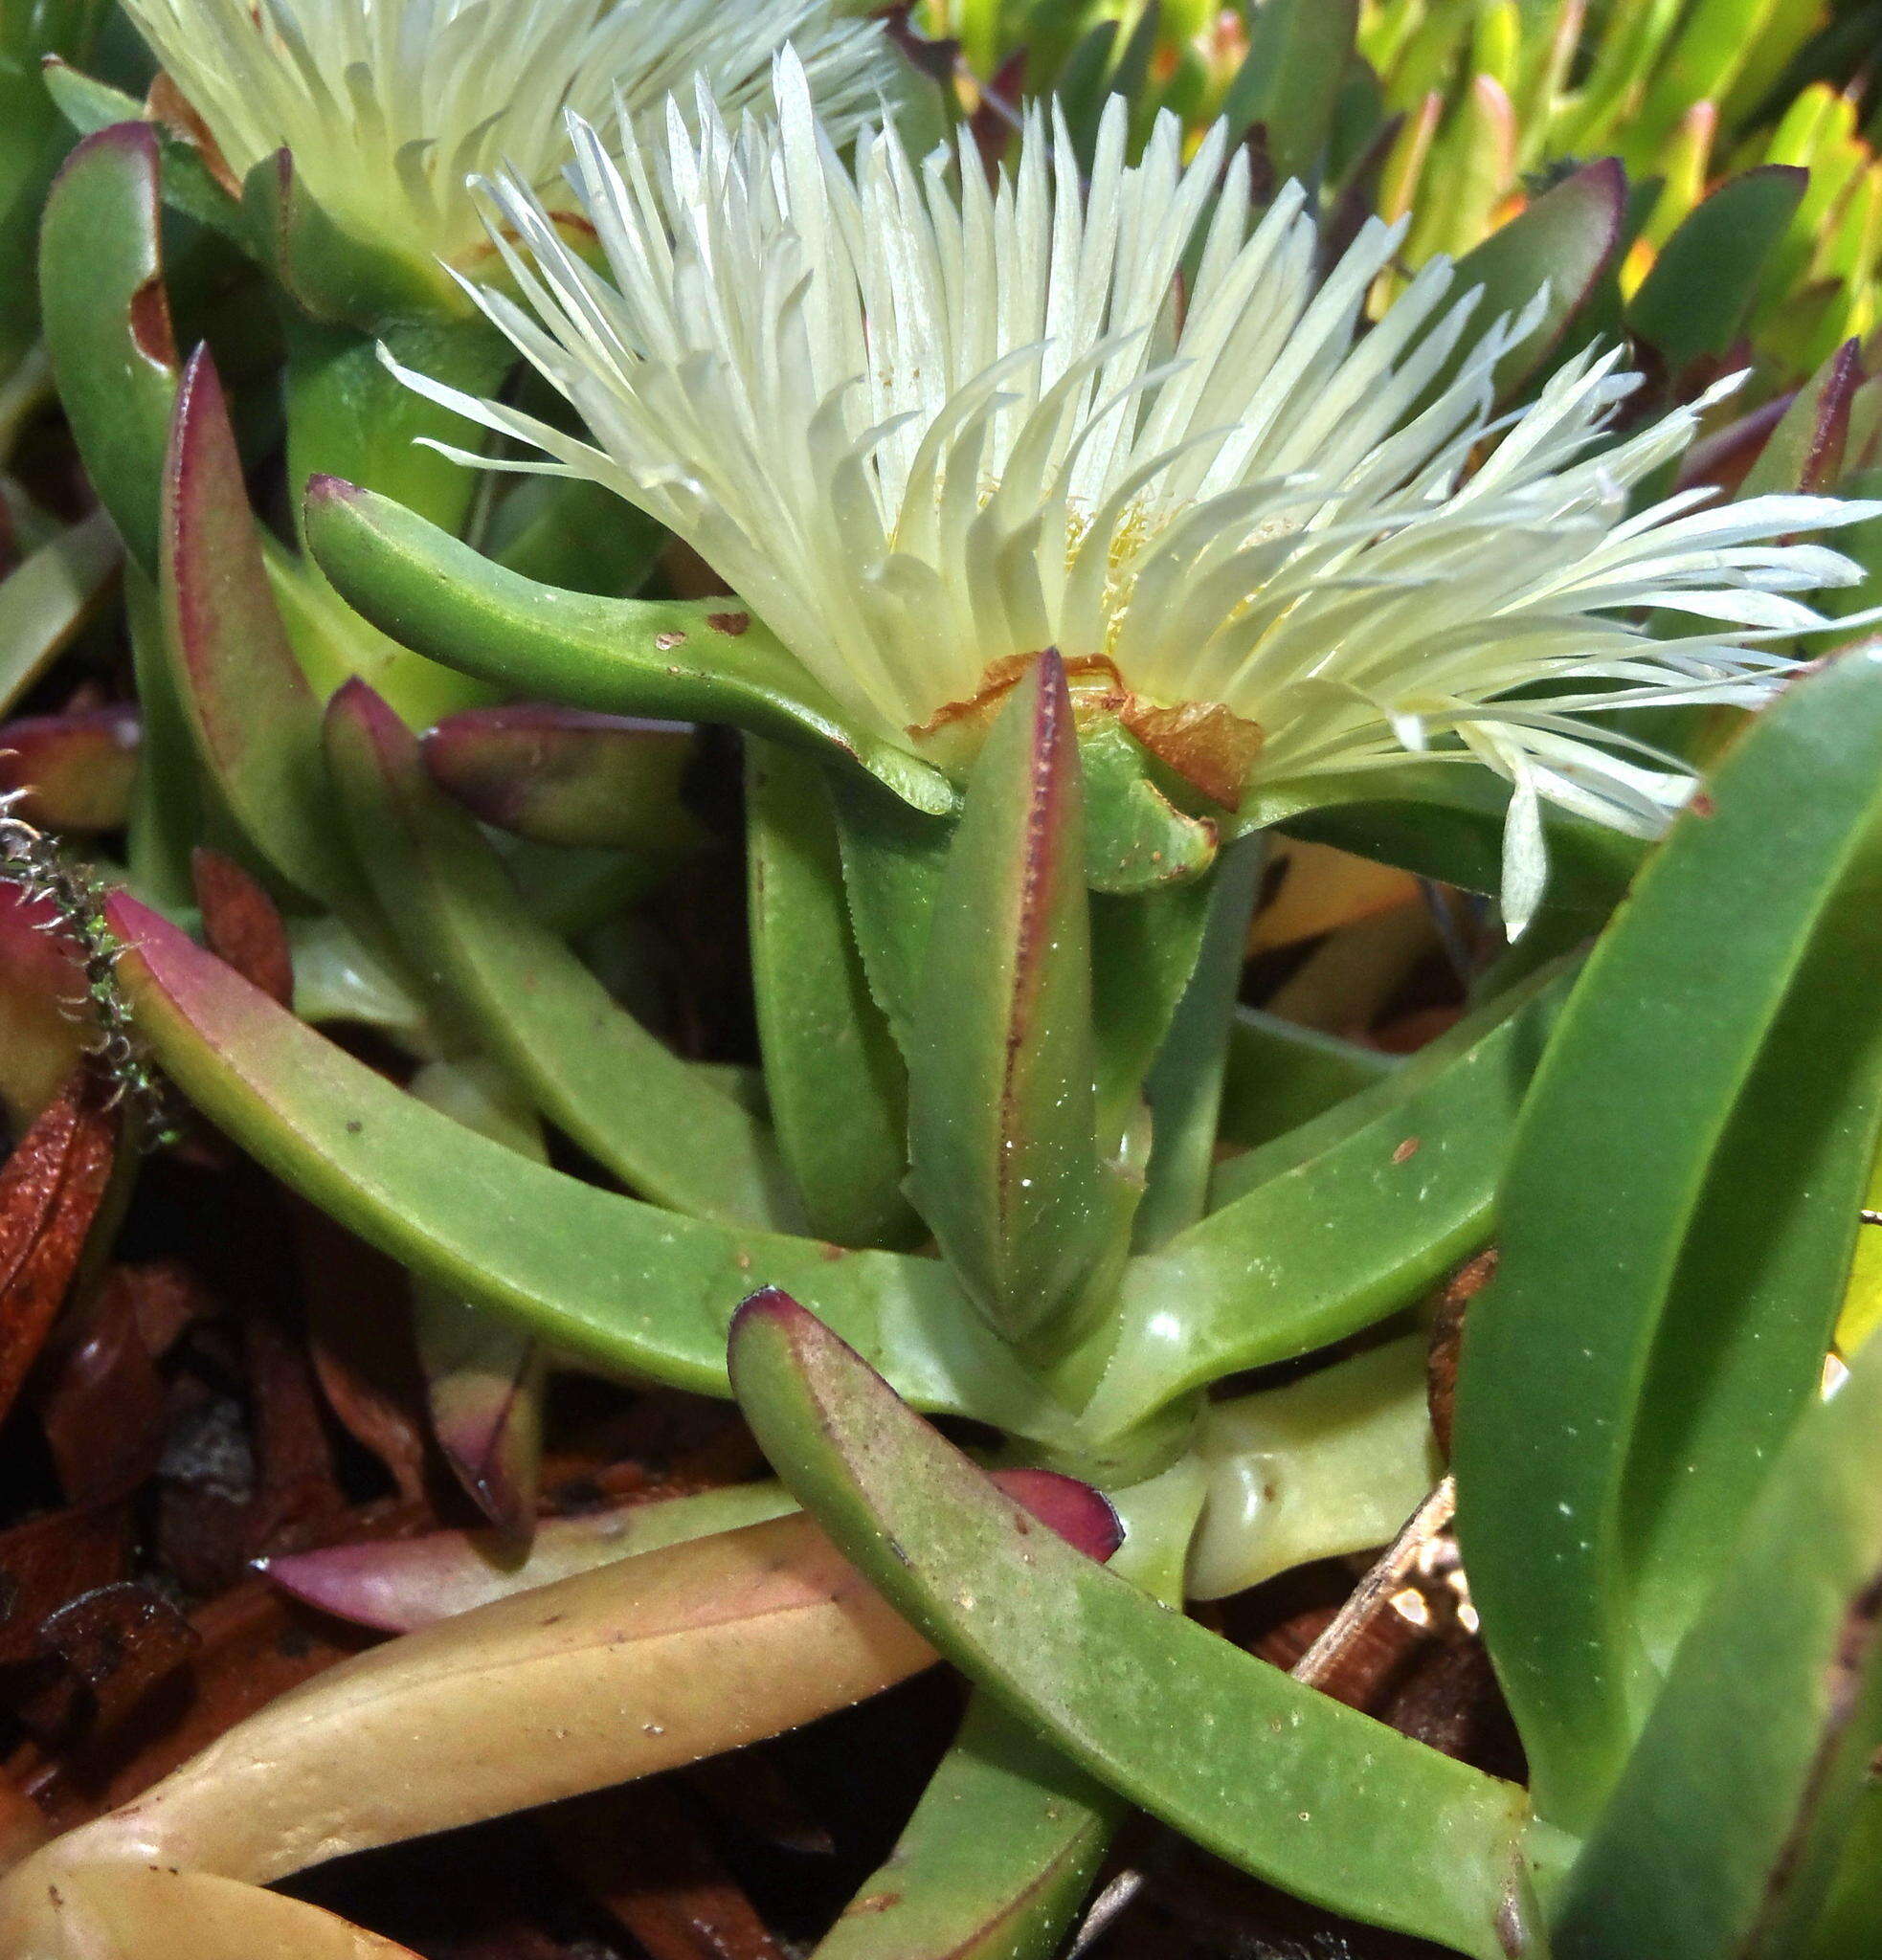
(924, 428)
(389, 106)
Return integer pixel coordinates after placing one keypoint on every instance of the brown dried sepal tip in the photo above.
(1210, 747)
(171, 110)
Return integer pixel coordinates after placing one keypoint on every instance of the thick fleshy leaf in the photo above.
(1850, 1919)
(1331, 1464)
(484, 1377)
(516, 989)
(1279, 1076)
(172, 797)
(893, 858)
(337, 978)
(561, 776)
(189, 185)
(45, 600)
(1135, 840)
(42, 987)
(624, 1286)
(399, 1584)
(122, 1908)
(1722, 1839)
(255, 721)
(348, 415)
(1184, 1087)
(703, 659)
(336, 276)
(37, 137)
(834, 1078)
(108, 324)
(1332, 1227)
(484, 1383)
(1695, 299)
(1002, 1112)
(1446, 821)
(998, 1856)
(1564, 240)
(568, 531)
(1805, 449)
(76, 769)
(333, 644)
(1298, 52)
(1679, 1216)
(1331, 1804)
(613, 1674)
(1144, 955)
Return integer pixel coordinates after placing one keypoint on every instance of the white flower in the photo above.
(389, 106)
(923, 428)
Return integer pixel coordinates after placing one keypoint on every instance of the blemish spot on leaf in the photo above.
(667, 641)
(732, 623)
(150, 325)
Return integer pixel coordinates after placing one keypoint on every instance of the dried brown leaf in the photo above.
(50, 1191)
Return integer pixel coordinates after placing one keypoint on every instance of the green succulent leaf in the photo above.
(515, 990)
(1084, 86)
(255, 724)
(893, 858)
(348, 415)
(1721, 1840)
(107, 325)
(706, 660)
(48, 596)
(998, 1856)
(1322, 1467)
(1680, 1211)
(1277, 1076)
(485, 1377)
(1184, 1087)
(1805, 449)
(337, 275)
(1298, 52)
(1444, 821)
(1565, 240)
(1003, 1144)
(834, 1077)
(36, 137)
(1144, 958)
(167, 817)
(568, 531)
(1332, 1227)
(1330, 1805)
(563, 777)
(188, 186)
(1849, 1920)
(1696, 297)
(1135, 838)
(623, 1287)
